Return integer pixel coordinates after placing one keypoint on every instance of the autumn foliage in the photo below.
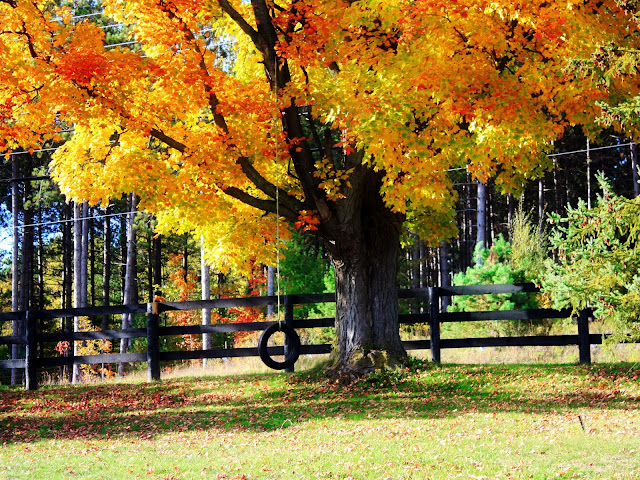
(343, 118)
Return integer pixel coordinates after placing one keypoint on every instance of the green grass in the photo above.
(427, 422)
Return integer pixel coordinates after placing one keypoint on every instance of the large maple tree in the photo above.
(341, 117)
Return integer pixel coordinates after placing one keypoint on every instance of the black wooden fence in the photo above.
(33, 336)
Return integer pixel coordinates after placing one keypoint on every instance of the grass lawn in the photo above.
(427, 422)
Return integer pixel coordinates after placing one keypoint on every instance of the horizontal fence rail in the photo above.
(432, 316)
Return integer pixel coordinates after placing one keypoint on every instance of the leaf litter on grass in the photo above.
(496, 421)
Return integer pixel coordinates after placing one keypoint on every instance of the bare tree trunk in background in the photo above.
(185, 259)
(482, 216)
(41, 262)
(444, 273)
(634, 169)
(84, 255)
(92, 261)
(540, 204)
(27, 248)
(157, 265)
(588, 174)
(510, 210)
(271, 289)
(150, 289)
(79, 272)
(130, 287)
(106, 264)
(15, 273)
(67, 280)
(205, 279)
(123, 251)
(423, 266)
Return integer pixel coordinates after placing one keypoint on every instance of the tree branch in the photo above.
(269, 206)
(166, 139)
(267, 187)
(257, 40)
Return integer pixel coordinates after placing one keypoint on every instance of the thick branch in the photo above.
(267, 187)
(269, 206)
(166, 139)
(257, 40)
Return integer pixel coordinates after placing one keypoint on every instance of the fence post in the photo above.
(153, 342)
(434, 321)
(288, 320)
(584, 346)
(31, 351)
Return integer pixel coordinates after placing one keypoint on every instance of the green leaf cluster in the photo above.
(597, 261)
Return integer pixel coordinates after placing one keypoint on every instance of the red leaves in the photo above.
(82, 66)
(307, 221)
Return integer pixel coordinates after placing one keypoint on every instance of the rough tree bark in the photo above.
(364, 248)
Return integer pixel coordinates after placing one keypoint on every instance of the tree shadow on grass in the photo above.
(267, 402)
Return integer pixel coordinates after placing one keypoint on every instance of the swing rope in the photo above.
(275, 133)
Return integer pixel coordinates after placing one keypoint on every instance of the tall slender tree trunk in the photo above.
(481, 218)
(67, 280)
(130, 287)
(444, 273)
(15, 265)
(205, 280)
(157, 265)
(84, 255)
(271, 289)
(92, 261)
(634, 169)
(588, 174)
(540, 204)
(106, 264)
(41, 261)
(79, 277)
(556, 187)
(27, 248)
(150, 289)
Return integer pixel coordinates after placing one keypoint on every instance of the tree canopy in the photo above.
(341, 117)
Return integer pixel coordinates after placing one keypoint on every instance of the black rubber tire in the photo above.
(293, 350)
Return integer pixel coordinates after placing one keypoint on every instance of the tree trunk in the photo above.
(157, 265)
(130, 288)
(634, 169)
(364, 251)
(482, 218)
(41, 261)
(205, 280)
(271, 289)
(106, 265)
(541, 204)
(92, 261)
(588, 174)
(444, 273)
(79, 277)
(15, 266)
(67, 280)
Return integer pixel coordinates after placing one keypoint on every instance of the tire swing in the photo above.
(292, 352)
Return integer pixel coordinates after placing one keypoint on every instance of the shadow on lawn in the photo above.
(267, 402)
